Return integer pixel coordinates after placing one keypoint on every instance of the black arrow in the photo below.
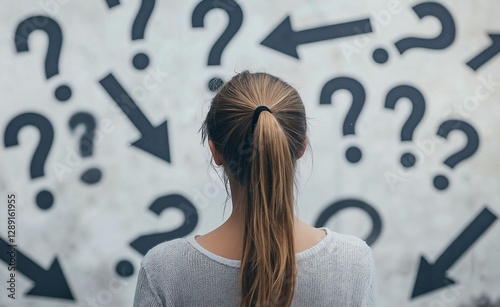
(48, 283)
(431, 277)
(488, 53)
(284, 39)
(154, 139)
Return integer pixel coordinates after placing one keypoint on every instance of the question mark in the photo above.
(441, 41)
(144, 243)
(353, 154)
(92, 175)
(141, 60)
(440, 181)
(353, 203)
(44, 198)
(54, 33)
(417, 112)
(235, 15)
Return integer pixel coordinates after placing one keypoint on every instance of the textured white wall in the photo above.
(89, 226)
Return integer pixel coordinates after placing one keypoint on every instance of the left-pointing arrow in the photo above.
(284, 39)
(48, 283)
(154, 139)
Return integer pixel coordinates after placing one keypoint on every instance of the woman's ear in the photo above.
(215, 154)
(304, 146)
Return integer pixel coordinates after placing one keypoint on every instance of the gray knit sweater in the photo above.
(337, 271)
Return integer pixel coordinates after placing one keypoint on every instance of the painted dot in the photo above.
(91, 176)
(441, 182)
(140, 61)
(63, 93)
(215, 83)
(353, 154)
(408, 160)
(380, 55)
(124, 268)
(44, 199)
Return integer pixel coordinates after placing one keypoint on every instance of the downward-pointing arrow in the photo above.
(48, 283)
(284, 39)
(430, 276)
(154, 139)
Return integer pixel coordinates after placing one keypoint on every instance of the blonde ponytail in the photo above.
(268, 270)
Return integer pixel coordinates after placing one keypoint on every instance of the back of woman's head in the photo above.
(259, 148)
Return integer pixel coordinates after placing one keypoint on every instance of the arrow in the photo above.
(430, 276)
(284, 39)
(48, 283)
(154, 139)
(488, 53)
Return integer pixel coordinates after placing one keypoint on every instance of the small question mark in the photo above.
(144, 243)
(353, 203)
(141, 60)
(441, 41)
(54, 33)
(353, 154)
(417, 112)
(440, 181)
(92, 175)
(235, 20)
(44, 198)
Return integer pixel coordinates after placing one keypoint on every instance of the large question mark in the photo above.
(235, 20)
(86, 148)
(417, 112)
(44, 198)
(353, 154)
(353, 203)
(54, 33)
(141, 60)
(440, 181)
(144, 243)
(441, 41)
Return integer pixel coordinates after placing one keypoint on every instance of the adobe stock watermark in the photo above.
(486, 86)
(448, 296)
(106, 296)
(379, 19)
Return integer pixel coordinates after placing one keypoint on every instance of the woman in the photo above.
(263, 255)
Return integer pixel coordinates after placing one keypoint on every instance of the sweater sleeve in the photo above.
(370, 289)
(145, 295)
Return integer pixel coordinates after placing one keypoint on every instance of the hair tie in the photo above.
(256, 114)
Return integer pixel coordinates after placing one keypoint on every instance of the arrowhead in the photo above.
(430, 277)
(51, 283)
(282, 39)
(155, 141)
(495, 38)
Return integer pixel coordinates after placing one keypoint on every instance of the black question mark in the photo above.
(416, 115)
(353, 203)
(235, 20)
(353, 154)
(86, 148)
(441, 41)
(44, 198)
(54, 33)
(141, 60)
(144, 243)
(440, 181)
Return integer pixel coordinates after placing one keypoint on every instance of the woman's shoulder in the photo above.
(165, 252)
(348, 248)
